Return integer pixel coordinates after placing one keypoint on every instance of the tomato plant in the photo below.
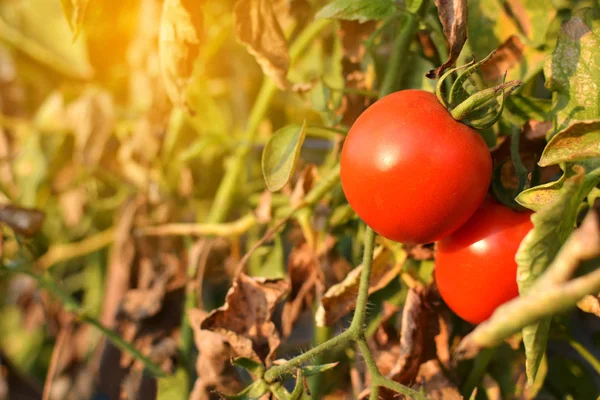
(412, 172)
(475, 268)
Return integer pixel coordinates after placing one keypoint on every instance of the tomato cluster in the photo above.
(415, 175)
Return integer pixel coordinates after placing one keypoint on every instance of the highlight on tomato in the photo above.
(476, 271)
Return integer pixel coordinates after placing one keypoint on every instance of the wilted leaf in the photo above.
(417, 344)
(142, 303)
(590, 304)
(75, 13)
(24, 221)
(360, 10)
(280, 155)
(435, 383)
(453, 15)
(302, 276)
(580, 140)
(573, 70)
(179, 40)
(553, 223)
(509, 54)
(244, 320)
(213, 364)
(257, 27)
(340, 299)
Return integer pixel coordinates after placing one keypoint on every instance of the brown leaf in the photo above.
(213, 365)
(353, 35)
(417, 343)
(509, 54)
(340, 299)
(453, 15)
(257, 27)
(24, 221)
(244, 320)
(437, 385)
(420, 251)
(142, 303)
(179, 41)
(302, 277)
(304, 183)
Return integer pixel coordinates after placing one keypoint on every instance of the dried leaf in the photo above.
(75, 12)
(509, 54)
(302, 277)
(24, 221)
(417, 345)
(453, 15)
(213, 363)
(340, 299)
(179, 40)
(244, 320)
(590, 304)
(256, 26)
(437, 385)
(263, 210)
(142, 303)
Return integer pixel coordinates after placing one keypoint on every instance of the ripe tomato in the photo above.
(475, 267)
(410, 171)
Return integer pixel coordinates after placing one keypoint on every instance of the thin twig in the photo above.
(63, 334)
(64, 252)
(234, 228)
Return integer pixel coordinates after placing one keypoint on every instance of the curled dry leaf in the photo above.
(245, 319)
(142, 303)
(353, 35)
(24, 221)
(179, 40)
(509, 54)
(417, 343)
(263, 210)
(302, 277)
(340, 299)
(435, 383)
(453, 15)
(256, 26)
(213, 366)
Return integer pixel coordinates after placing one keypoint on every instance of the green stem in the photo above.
(480, 98)
(358, 321)
(378, 380)
(226, 191)
(479, 366)
(396, 68)
(274, 373)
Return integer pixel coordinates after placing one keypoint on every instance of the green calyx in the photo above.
(477, 108)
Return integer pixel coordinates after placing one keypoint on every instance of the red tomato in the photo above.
(475, 267)
(410, 171)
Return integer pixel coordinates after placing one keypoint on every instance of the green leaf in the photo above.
(361, 10)
(75, 12)
(553, 223)
(280, 155)
(311, 370)
(173, 387)
(257, 389)
(573, 70)
(249, 365)
(578, 141)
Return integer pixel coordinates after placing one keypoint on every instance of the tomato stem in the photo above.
(475, 101)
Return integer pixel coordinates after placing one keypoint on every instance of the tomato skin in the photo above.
(410, 171)
(475, 267)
